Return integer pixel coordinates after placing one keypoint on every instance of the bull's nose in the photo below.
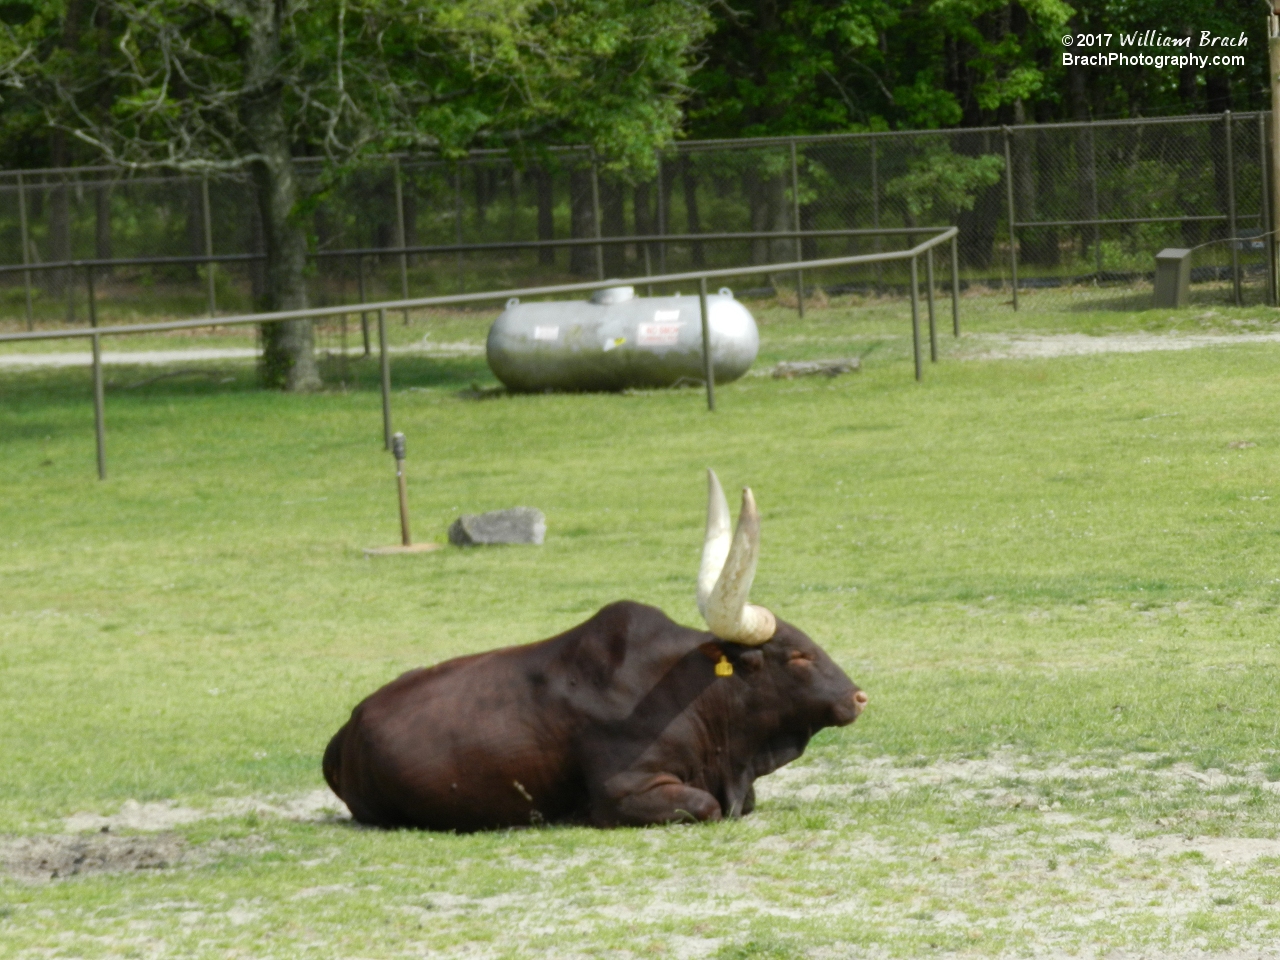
(847, 711)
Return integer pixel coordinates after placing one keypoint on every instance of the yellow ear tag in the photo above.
(724, 668)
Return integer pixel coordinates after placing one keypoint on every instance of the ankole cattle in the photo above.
(628, 718)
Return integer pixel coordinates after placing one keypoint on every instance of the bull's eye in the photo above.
(798, 658)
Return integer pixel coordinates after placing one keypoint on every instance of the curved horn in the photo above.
(715, 548)
(726, 609)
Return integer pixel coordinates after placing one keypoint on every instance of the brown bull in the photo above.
(628, 718)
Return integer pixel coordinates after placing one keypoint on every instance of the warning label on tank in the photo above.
(665, 334)
(546, 333)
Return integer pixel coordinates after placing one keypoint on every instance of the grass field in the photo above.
(1057, 579)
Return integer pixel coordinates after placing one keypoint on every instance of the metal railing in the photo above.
(93, 267)
(924, 249)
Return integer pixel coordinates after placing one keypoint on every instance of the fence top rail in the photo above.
(485, 154)
(467, 247)
(1018, 225)
(627, 238)
(461, 298)
(1139, 121)
(129, 262)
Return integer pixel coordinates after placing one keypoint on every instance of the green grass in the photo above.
(1057, 576)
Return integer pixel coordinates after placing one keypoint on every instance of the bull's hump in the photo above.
(623, 649)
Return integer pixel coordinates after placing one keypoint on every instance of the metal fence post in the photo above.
(400, 237)
(595, 215)
(933, 326)
(99, 415)
(26, 247)
(99, 401)
(1264, 210)
(93, 300)
(708, 368)
(875, 212)
(208, 243)
(1229, 131)
(662, 218)
(1013, 233)
(384, 365)
(364, 314)
(795, 213)
(915, 314)
(955, 286)
(1273, 60)
(1094, 214)
(457, 225)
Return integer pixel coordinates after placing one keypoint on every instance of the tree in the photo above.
(818, 66)
(235, 85)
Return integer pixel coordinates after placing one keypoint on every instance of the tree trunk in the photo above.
(1039, 245)
(978, 226)
(582, 259)
(1217, 90)
(288, 347)
(59, 214)
(779, 219)
(195, 225)
(692, 221)
(757, 201)
(1086, 160)
(102, 196)
(642, 217)
(102, 220)
(613, 224)
(1046, 183)
(546, 216)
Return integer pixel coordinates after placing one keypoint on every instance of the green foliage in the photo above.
(168, 81)
(940, 183)
(814, 66)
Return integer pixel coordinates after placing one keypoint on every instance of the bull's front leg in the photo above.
(655, 798)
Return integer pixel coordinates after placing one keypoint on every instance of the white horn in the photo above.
(715, 548)
(726, 610)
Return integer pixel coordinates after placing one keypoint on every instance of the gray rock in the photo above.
(808, 368)
(517, 525)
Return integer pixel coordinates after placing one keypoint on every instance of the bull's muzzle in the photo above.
(849, 710)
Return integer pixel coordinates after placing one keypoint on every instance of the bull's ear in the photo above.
(712, 651)
(751, 660)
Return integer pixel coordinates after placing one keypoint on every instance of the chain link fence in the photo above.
(1053, 216)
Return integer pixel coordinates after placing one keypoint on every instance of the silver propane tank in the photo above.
(617, 340)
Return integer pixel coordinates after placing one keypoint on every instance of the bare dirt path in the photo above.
(1030, 346)
(973, 346)
(23, 361)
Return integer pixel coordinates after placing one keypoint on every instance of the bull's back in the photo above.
(468, 744)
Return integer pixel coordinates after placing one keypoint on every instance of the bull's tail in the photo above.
(332, 760)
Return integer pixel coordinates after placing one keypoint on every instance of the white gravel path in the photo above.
(1026, 346)
(21, 361)
(973, 346)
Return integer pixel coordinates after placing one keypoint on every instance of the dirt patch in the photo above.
(56, 857)
(1222, 852)
(315, 806)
